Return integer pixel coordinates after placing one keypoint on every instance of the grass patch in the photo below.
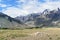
(50, 34)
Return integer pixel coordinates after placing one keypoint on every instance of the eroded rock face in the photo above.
(46, 18)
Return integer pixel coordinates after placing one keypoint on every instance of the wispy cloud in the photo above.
(13, 12)
(3, 5)
(24, 7)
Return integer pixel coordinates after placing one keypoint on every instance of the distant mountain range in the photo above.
(45, 19)
(9, 22)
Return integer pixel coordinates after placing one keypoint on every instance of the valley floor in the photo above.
(31, 34)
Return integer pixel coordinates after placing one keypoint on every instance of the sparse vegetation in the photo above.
(44, 34)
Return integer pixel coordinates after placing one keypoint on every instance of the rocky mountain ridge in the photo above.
(45, 19)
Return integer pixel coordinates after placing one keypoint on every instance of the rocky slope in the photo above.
(46, 18)
(9, 22)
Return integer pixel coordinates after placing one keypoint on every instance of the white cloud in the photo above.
(13, 12)
(34, 6)
(31, 6)
(3, 5)
(50, 5)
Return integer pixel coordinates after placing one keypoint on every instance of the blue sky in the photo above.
(15, 8)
